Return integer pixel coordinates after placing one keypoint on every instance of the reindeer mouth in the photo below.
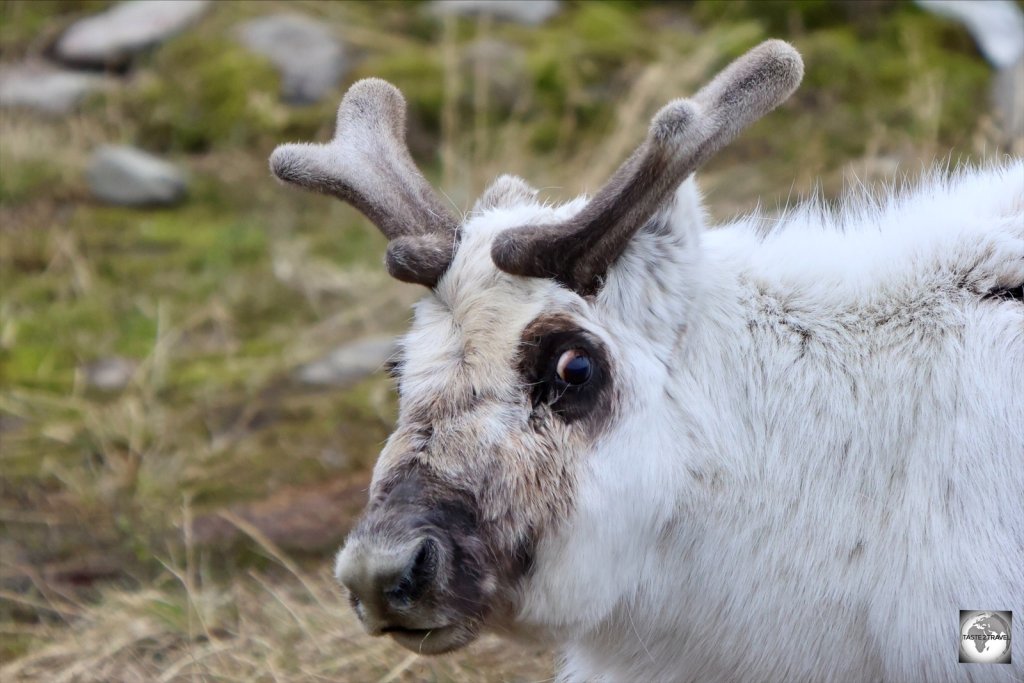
(432, 641)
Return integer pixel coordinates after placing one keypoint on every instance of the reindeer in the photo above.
(686, 454)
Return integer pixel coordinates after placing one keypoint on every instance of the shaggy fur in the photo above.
(838, 461)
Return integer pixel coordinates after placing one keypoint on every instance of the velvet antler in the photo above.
(684, 134)
(368, 165)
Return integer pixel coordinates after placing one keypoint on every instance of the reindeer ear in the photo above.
(685, 133)
(505, 192)
(368, 165)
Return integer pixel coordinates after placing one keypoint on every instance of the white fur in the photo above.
(819, 456)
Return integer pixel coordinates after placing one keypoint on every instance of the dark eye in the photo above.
(574, 367)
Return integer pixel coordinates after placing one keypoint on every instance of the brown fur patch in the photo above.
(541, 344)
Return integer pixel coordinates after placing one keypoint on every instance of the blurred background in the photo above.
(191, 399)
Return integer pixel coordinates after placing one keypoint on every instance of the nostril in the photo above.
(402, 593)
(416, 578)
(423, 563)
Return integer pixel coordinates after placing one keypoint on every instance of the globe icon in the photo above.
(984, 637)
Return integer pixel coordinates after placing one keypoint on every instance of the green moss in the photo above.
(23, 21)
(890, 77)
(575, 64)
(608, 34)
(136, 258)
(569, 62)
(943, 53)
(793, 17)
(187, 251)
(92, 328)
(349, 241)
(28, 179)
(544, 135)
(206, 93)
(398, 19)
(207, 242)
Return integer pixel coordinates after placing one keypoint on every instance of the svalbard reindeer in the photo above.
(692, 455)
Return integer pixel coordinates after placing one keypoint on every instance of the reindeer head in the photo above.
(531, 363)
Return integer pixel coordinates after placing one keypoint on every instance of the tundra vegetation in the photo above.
(150, 532)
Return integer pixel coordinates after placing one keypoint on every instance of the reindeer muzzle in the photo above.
(413, 567)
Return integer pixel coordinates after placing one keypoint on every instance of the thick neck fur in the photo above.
(825, 432)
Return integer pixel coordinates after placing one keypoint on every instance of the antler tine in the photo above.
(684, 134)
(368, 165)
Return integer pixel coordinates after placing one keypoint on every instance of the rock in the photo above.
(42, 88)
(310, 59)
(130, 177)
(531, 13)
(109, 374)
(1008, 100)
(997, 26)
(113, 37)
(347, 364)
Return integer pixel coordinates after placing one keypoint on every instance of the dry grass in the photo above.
(278, 624)
(264, 625)
(217, 301)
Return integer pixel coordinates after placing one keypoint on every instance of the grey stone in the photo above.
(109, 374)
(1008, 101)
(130, 177)
(997, 26)
(347, 364)
(43, 88)
(531, 13)
(310, 59)
(112, 37)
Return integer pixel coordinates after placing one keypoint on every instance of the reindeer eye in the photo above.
(567, 372)
(574, 367)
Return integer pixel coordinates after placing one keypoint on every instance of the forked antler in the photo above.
(685, 133)
(368, 165)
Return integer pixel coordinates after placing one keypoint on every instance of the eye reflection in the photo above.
(574, 367)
